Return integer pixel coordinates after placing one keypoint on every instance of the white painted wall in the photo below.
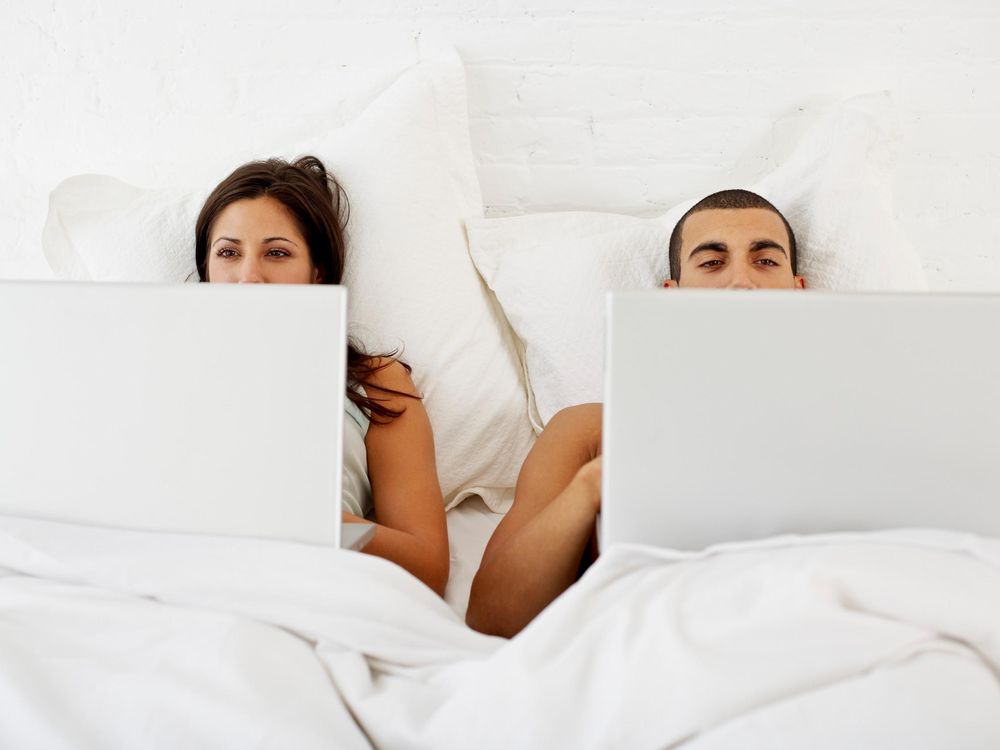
(624, 106)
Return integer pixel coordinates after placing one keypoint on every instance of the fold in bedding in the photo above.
(124, 639)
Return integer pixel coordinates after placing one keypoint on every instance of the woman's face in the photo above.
(257, 240)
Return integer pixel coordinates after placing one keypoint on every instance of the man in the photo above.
(733, 239)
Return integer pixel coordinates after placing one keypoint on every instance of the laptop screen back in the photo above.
(190, 408)
(739, 415)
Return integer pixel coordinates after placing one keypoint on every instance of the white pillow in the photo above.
(406, 164)
(550, 272)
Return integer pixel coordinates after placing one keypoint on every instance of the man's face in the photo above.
(738, 248)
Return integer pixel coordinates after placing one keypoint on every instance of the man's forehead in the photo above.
(733, 225)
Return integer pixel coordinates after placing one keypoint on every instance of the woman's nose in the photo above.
(250, 273)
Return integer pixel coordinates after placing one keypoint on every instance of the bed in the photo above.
(124, 639)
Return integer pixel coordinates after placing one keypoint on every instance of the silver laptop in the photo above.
(734, 416)
(213, 409)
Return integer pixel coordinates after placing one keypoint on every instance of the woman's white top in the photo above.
(356, 489)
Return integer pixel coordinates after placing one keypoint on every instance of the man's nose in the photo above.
(741, 279)
(250, 272)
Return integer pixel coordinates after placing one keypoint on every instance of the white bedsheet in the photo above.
(121, 639)
(470, 526)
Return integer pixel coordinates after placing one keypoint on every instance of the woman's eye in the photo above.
(226, 252)
(277, 252)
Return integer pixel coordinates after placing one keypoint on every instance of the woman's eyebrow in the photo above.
(228, 239)
(283, 239)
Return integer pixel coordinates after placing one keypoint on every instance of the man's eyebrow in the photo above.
(758, 245)
(713, 246)
(228, 239)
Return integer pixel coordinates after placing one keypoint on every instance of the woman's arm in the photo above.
(409, 509)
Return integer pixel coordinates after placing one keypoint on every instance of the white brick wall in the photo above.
(623, 106)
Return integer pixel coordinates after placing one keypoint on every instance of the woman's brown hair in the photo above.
(320, 207)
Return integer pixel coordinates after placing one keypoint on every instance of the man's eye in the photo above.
(277, 252)
(227, 252)
(767, 262)
(710, 264)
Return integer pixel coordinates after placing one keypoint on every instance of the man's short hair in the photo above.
(727, 199)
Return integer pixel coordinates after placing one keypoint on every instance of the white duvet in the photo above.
(112, 639)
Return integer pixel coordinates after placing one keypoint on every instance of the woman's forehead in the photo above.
(264, 216)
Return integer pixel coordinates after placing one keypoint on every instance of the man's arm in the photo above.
(535, 554)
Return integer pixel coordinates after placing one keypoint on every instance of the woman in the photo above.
(279, 222)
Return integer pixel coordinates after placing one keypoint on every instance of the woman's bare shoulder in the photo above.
(390, 375)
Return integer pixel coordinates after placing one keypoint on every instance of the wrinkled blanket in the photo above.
(117, 639)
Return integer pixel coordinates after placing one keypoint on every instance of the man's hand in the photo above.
(588, 478)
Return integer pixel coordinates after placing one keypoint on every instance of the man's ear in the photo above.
(800, 282)
(669, 284)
